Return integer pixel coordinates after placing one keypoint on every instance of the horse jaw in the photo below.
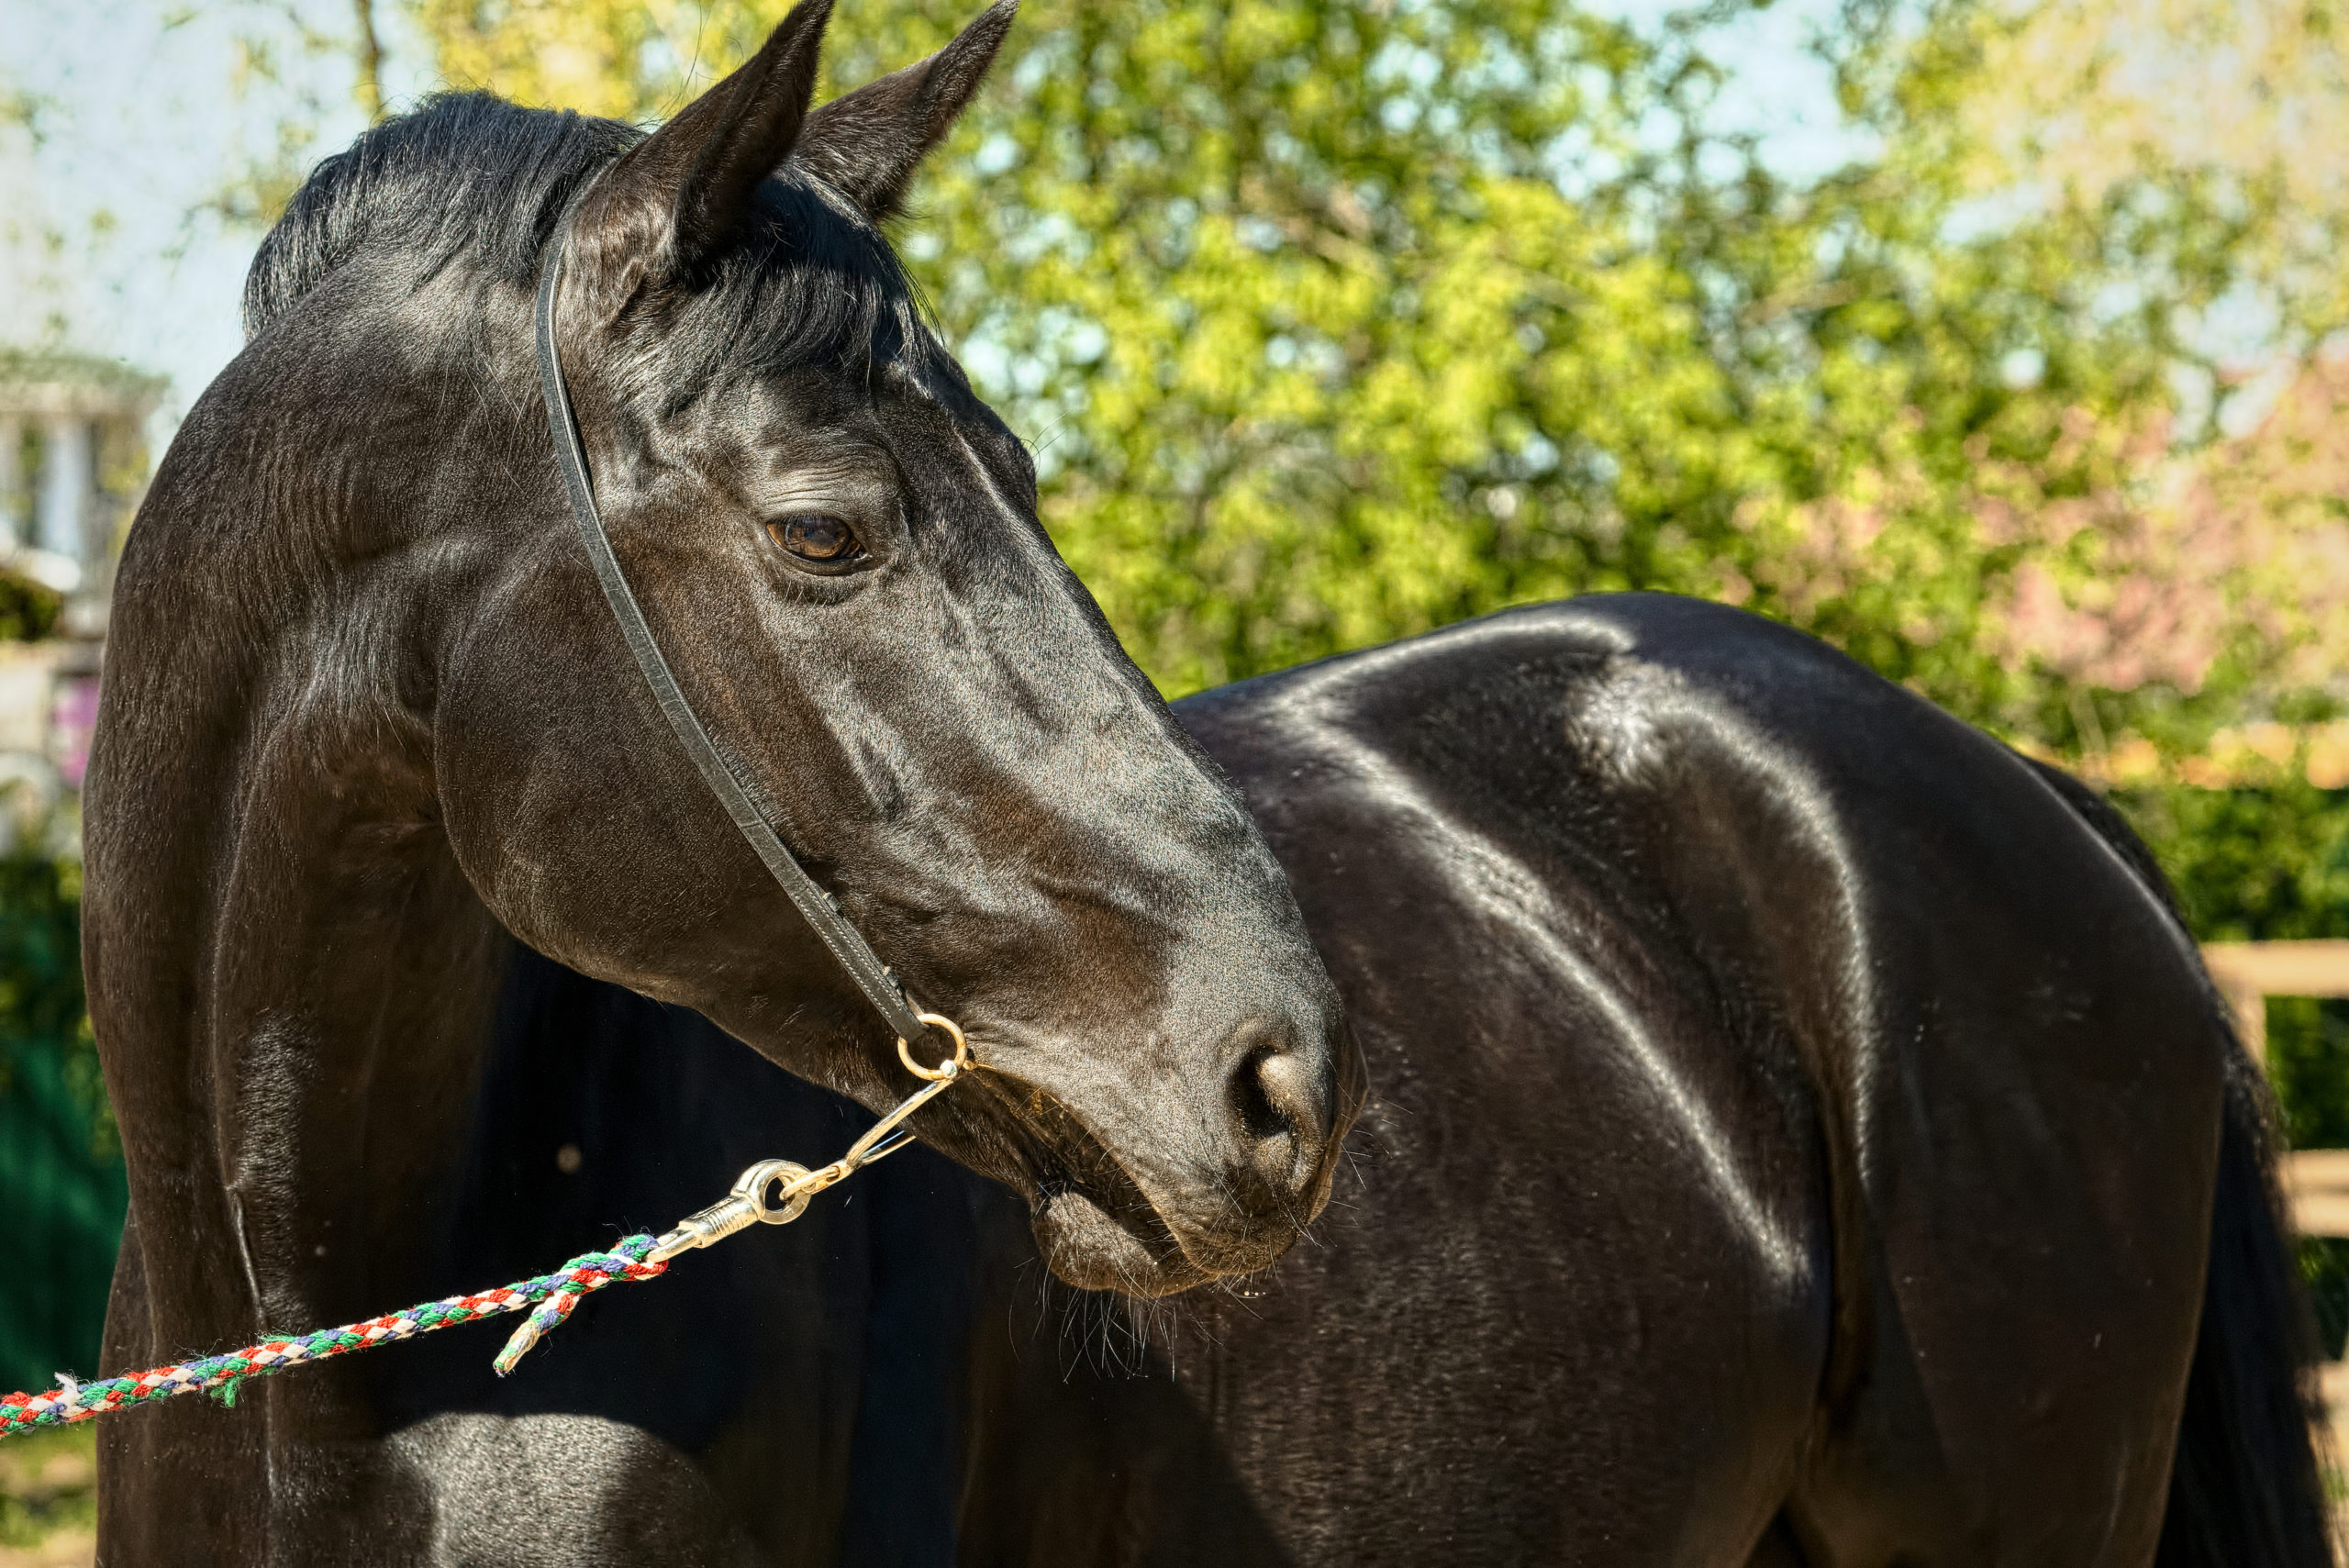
(1087, 1248)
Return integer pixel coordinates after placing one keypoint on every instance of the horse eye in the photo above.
(814, 536)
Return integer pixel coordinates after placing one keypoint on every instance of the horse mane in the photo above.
(469, 173)
(466, 171)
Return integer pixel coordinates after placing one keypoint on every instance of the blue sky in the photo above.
(106, 244)
(139, 120)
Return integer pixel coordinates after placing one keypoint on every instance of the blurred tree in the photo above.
(298, 67)
(1338, 319)
(600, 58)
(367, 57)
(2091, 102)
(28, 610)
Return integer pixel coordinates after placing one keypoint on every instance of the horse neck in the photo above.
(290, 978)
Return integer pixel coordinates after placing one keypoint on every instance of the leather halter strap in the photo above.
(822, 912)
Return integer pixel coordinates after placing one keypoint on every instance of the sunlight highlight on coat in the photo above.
(1513, 891)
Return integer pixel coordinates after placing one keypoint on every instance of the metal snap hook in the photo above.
(793, 1183)
(744, 1206)
(751, 1187)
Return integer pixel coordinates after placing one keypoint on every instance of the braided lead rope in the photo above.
(773, 1192)
(560, 1292)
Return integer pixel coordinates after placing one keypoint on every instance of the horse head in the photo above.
(836, 544)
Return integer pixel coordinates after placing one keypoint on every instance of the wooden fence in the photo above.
(2317, 1179)
(2250, 972)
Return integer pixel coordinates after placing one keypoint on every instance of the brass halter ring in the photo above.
(946, 1072)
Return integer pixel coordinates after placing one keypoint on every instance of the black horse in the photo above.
(1803, 1134)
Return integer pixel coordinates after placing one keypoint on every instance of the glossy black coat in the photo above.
(1795, 1140)
(1802, 1133)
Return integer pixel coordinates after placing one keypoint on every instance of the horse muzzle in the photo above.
(1175, 1179)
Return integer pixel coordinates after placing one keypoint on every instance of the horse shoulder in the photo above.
(1961, 1053)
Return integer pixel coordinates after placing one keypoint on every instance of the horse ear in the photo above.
(690, 182)
(866, 144)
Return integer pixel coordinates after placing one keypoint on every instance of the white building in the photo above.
(73, 464)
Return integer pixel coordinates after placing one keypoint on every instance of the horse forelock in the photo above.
(807, 283)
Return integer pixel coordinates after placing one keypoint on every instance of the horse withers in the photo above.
(366, 724)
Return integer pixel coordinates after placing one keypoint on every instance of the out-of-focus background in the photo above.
(2000, 342)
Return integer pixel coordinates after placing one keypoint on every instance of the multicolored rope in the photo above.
(559, 1292)
(773, 1192)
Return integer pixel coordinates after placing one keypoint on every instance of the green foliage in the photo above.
(49, 1492)
(1337, 320)
(1334, 320)
(2307, 1061)
(28, 610)
(2266, 865)
(2251, 864)
(1319, 347)
(62, 1180)
(43, 1008)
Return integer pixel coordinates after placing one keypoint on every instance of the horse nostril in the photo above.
(1252, 1100)
(1276, 1098)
